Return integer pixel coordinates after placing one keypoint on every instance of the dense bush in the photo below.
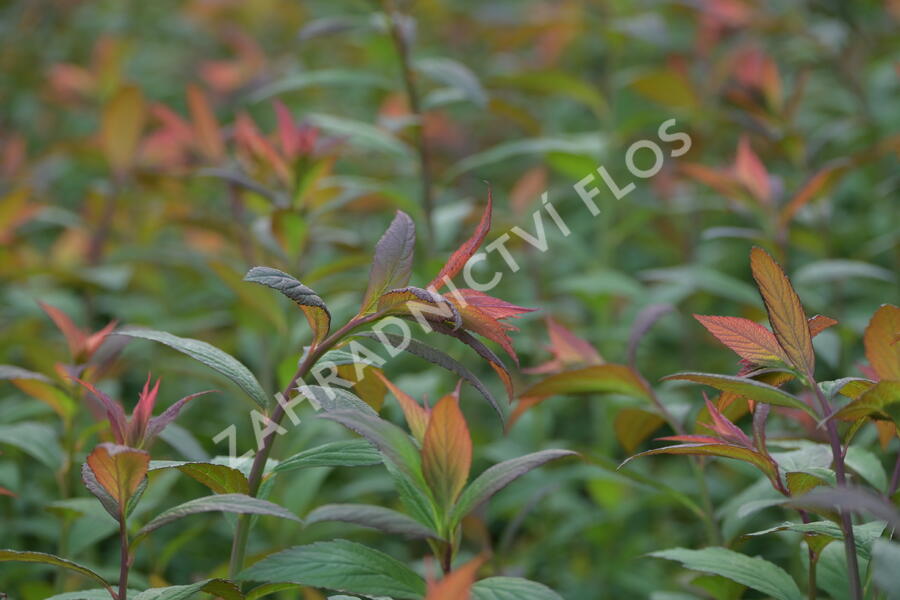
(675, 232)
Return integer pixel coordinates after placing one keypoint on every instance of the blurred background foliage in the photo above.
(141, 174)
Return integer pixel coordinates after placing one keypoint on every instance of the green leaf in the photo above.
(351, 453)
(334, 398)
(868, 466)
(864, 535)
(49, 559)
(320, 78)
(230, 503)
(552, 82)
(392, 263)
(611, 379)
(221, 479)
(341, 566)
(14, 372)
(94, 594)
(360, 135)
(589, 144)
(498, 477)
(221, 588)
(455, 75)
(210, 356)
(441, 359)
(511, 588)
(311, 304)
(881, 401)
(35, 439)
(755, 573)
(746, 388)
(392, 441)
(886, 557)
(376, 517)
(824, 271)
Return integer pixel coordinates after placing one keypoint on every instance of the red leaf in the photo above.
(142, 413)
(820, 323)
(459, 258)
(494, 307)
(568, 350)
(751, 172)
(785, 311)
(457, 584)
(114, 411)
(747, 339)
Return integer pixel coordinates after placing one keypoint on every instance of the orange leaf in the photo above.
(751, 172)
(747, 339)
(446, 451)
(785, 311)
(459, 258)
(880, 341)
(457, 584)
(206, 126)
(416, 415)
(119, 469)
(820, 182)
(820, 323)
(74, 336)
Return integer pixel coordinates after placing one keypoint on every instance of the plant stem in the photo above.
(415, 108)
(123, 557)
(841, 476)
(239, 545)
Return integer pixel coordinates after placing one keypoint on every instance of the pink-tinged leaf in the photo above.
(725, 429)
(881, 402)
(246, 134)
(121, 125)
(751, 172)
(785, 311)
(746, 388)
(633, 426)
(287, 129)
(880, 340)
(749, 340)
(568, 351)
(610, 378)
(819, 183)
(157, 424)
(207, 132)
(120, 470)
(720, 450)
(6, 492)
(392, 264)
(456, 585)
(462, 254)
(114, 411)
(820, 323)
(478, 321)
(75, 337)
(416, 415)
(446, 451)
(142, 413)
(493, 307)
(723, 183)
(95, 340)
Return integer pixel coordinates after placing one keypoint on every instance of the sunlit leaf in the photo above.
(881, 401)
